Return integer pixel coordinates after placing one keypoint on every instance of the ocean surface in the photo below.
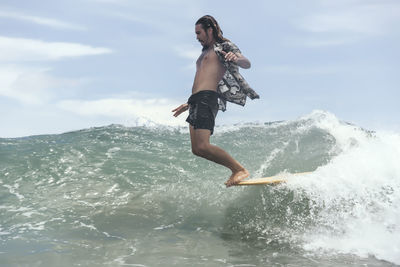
(137, 196)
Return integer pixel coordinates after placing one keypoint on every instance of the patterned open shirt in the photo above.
(233, 87)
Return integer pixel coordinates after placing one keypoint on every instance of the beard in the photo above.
(205, 47)
(205, 44)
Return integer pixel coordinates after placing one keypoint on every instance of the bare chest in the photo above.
(208, 57)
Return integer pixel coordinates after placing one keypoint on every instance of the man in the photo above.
(217, 80)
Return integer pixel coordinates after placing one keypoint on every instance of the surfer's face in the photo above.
(204, 37)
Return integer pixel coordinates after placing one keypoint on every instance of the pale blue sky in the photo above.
(68, 65)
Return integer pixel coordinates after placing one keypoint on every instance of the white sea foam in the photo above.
(357, 194)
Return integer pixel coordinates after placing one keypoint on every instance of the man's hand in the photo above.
(230, 56)
(180, 109)
(238, 58)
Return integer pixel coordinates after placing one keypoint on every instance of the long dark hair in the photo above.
(208, 21)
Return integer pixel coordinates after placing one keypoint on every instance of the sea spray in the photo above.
(357, 194)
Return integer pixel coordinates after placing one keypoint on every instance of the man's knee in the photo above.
(200, 149)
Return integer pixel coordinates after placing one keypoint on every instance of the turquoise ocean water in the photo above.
(136, 196)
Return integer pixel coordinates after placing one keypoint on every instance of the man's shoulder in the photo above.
(226, 46)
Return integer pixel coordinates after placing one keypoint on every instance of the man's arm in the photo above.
(242, 61)
(238, 58)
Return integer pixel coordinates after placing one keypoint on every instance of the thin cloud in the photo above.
(21, 49)
(53, 23)
(302, 70)
(344, 24)
(157, 110)
(164, 16)
(369, 20)
(321, 40)
(188, 52)
(30, 86)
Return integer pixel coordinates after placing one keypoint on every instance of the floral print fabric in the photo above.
(233, 87)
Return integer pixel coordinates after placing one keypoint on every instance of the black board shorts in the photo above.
(203, 108)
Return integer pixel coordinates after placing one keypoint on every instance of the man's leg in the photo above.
(201, 146)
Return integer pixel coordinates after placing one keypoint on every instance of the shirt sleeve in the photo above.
(231, 47)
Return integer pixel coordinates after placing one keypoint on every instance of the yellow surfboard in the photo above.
(272, 180)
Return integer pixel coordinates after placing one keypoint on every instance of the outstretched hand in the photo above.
(180, 109)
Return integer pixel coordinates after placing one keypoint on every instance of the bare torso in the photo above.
(209, 71)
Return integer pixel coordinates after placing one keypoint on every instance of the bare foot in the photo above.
(237, 177)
